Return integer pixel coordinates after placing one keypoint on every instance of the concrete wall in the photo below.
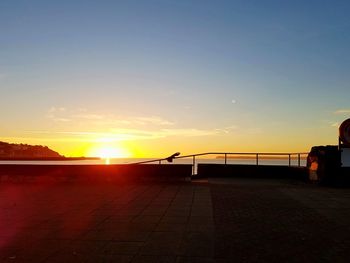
(57, 173)
(253, 171)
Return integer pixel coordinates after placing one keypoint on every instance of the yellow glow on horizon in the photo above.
(107, 152)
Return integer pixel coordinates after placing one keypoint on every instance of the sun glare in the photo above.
(108, 152)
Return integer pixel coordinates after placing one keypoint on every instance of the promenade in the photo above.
(220, 220)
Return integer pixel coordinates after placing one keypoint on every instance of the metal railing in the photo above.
(226, 157)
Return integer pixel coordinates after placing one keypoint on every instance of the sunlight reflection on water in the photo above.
(109, 161)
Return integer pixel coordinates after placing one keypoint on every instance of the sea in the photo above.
(252, 161)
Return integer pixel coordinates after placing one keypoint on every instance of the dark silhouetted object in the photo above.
(172, 157)
(324, 163)
(17, 151)
(344, 133)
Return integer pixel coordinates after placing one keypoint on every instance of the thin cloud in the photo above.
(154, 120)
(147, 134)
(114, 135)
(334, 124)
(342, 111)
(57, 109)
(58, 114)
(123, 128)
(188, 132)
(61, 114)
(62, 119)
(127, 134)
(82, 136)
(89, 116)
(227, 129)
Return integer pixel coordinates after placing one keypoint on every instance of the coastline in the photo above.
(48, 158)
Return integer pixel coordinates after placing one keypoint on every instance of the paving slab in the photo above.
(216, 220)
(279, 222)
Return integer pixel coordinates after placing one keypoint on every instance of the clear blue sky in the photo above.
(215, 75)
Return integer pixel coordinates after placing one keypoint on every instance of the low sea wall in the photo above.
(252, 171)
(94, 173)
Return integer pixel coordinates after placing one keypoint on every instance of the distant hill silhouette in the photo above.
(12, 150)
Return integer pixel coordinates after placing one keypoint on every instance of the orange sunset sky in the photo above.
(149, 78)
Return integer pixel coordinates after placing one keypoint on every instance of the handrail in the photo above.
(298, 154)
(193, 156)
(240, 153)
(169, 159)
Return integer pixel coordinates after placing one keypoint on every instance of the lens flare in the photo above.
(108, 152)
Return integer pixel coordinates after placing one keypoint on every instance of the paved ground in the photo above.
(271, 221)
(231, 220)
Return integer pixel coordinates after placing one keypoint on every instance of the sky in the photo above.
(149, 78)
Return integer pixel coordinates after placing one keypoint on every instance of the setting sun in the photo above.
(108, 152)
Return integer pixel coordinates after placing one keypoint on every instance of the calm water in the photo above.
(294, 162)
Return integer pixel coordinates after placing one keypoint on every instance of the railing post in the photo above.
(257, 159)
(289, 159)
(225, 158)
(193, 164)
(160, 161)
(298, 159)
